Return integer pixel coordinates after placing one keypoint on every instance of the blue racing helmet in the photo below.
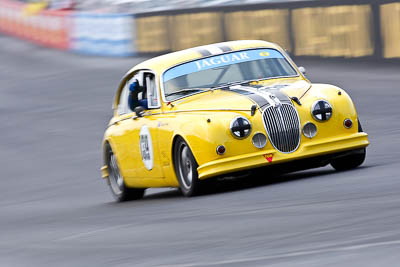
(134, 86)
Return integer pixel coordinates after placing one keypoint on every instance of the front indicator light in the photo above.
(348, 123)
(221, 150)
(309, 130)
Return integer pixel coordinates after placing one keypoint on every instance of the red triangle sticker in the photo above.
(269, 157)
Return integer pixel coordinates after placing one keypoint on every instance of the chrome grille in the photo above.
(283, 127)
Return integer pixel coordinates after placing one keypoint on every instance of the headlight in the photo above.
(240, 127)
(321, 110)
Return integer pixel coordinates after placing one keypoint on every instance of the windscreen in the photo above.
(197, 75)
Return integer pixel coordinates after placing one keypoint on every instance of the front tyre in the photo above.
(116, 182)
(186, 169)
(350, 161)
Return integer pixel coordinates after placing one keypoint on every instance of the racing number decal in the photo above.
(146, 147)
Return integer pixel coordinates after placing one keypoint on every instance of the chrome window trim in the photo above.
(156, 89)
(291, 63)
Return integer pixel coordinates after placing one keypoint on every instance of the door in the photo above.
(137, 139)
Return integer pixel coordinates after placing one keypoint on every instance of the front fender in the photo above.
(205, 132)
(342, 108)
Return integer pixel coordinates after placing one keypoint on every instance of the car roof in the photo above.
(161, 63)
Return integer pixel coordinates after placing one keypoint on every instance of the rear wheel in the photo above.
(360, 130)
(186, 169)
(116, 182)
(350, 161)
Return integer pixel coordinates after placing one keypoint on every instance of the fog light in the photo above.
(309, 130)
(348, 123)
(221, 150)
(259, 140)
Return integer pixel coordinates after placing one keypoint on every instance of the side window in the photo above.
(145, 94)
(123, 103)
(123, 106)
(152, 92)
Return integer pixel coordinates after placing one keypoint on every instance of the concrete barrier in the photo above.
(195, 29)
(44, 27)
(337, 31)
(319, 28)
(390, 29)
(259, 25)
(152, 34)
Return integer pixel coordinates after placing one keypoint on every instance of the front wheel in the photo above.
(186, 169)
(116, 182)
(350, 161)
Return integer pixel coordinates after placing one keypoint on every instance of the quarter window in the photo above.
(123, 107)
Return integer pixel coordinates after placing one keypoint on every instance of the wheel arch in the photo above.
(174, 140)
(176, 137)
(107, 146)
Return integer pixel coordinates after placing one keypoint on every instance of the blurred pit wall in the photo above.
(318, 28)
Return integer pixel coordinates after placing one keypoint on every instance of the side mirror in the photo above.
(302, 70)
(139, 111)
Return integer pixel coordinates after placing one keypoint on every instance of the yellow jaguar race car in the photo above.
(188, 116)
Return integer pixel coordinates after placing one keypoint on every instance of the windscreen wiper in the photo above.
(224, 85)
(186, 91)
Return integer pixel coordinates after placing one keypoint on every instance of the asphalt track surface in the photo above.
(55, 210)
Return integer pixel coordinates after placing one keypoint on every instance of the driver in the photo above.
(135, 98)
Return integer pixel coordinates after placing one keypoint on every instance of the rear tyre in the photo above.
(186, 169)
(360, 130)
(116, 182)
(349, 162)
